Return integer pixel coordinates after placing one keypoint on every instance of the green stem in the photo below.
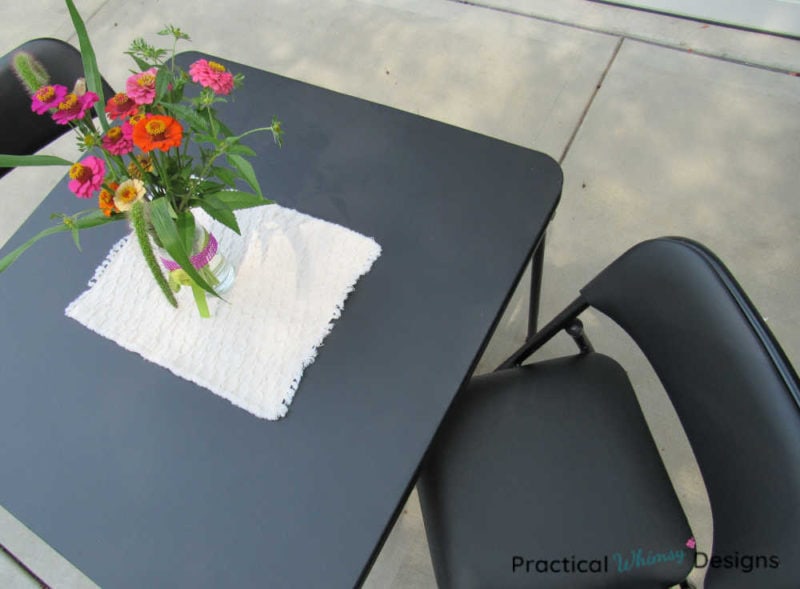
(122, 169)
(211, 123)
(140, 228)
(161, 172)
(108, 158)
(251, 131)
(217, 152)
(185, 200)
(172, 61)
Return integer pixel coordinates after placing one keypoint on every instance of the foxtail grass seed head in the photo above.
(30, 72)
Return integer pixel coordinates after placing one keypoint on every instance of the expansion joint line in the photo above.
(591, 99)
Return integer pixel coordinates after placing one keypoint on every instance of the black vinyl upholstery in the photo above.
(547, 462)
(22, 131)
(554, 459)
(733, 389)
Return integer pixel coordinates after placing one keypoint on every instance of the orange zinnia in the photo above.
(157, 132)
(106, 200)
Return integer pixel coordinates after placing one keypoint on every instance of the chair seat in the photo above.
(604, 515)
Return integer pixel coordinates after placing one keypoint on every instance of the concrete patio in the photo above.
(662, 126)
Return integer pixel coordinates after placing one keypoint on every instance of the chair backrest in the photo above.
(23, 132)
(735, 393)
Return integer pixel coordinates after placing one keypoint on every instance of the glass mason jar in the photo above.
(207, 259)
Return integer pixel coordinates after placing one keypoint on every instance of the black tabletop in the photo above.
(142, 479)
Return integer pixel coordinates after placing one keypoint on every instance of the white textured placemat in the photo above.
(293, 274)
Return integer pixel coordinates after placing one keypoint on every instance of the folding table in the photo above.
(142, 479)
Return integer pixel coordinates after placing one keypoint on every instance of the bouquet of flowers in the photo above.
(153, 156)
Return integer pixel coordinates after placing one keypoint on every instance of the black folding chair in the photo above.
(22, 131)
(546, 475)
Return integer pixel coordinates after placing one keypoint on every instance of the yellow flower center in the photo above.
(136, 118)
(146, 80)
(45, 93)
(127, 194)
(79, 172)
(114, 133)
(217, 67)
(69, 102)
(120, 98)
(155, 129)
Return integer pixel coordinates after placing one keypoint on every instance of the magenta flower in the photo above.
(141, 88)
(211, 74)
(118, 140)
(47, 97)
(73, 107)
(120, 106)
(86, 177)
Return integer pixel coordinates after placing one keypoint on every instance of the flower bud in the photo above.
(80, 87)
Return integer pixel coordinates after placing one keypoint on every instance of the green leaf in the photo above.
(236, 199)
(12, 257)
(93, 79)
(220, 211)
(190, 115)
(224, 174)
(223, 127)
(207, 186)
(246, 170)
(93, 219)
(175, 32)
(185, 225)
(171, 241)
(13, 161)
(162, 82)
(176, 95)
(143, 65)
(241, 150)
(76, 238)
(204, 138)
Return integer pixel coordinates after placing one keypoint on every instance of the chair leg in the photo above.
(537, 266)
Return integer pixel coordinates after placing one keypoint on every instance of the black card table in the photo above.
(142, 479)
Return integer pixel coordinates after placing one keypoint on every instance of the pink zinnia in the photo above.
(120, 106)
(73, 107)
(47, 97)
(118, 140)
(211, 74)
(141, 88)
(86, 177)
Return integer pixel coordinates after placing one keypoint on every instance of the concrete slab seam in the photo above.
(591, 100)
(86, 20)
(645, 40)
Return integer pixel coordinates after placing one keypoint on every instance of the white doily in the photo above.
(293, 274)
